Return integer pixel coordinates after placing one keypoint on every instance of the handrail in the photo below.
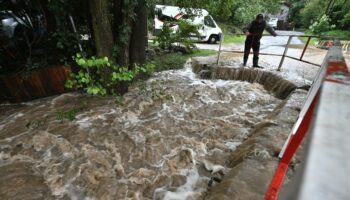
(326, 116)
(284, 55)
(294, 35)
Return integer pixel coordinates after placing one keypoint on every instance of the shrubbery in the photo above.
(100, 76)
(167, 37)
(322, 25)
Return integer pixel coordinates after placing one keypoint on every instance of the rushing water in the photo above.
(169, 138)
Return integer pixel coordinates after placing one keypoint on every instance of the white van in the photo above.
(209, 31)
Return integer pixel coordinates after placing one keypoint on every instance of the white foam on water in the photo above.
(15, 116)
(84, 123)
(4, 156)
(232, 145)
(184, 191)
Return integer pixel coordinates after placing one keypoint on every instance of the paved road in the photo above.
(266, 42)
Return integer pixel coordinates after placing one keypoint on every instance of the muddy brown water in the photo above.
(166, 140)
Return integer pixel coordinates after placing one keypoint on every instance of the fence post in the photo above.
(284, 53)
(305, 47)
(221, 37)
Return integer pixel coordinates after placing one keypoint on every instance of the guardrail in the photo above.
(326, 115)
(284, 55)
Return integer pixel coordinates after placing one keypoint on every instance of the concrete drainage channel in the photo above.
(254, 161)
(280, 87)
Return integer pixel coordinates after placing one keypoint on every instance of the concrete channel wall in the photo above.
(253, 163)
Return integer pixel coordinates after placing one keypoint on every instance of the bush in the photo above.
(346, 20)
(100, 76)
(167, 37)
(322, 25)
(312, 12)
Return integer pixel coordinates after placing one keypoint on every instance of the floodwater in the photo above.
(171, 137)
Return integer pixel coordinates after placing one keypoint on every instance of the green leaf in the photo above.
(81, 62)
(90, 63)
(93, 90)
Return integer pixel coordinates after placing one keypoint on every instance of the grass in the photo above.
(233, 39)
(345, 35)
(229, 34)
(176, 60)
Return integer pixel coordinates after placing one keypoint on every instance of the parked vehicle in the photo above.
(208, 29)
(273, 22)
(7, 24)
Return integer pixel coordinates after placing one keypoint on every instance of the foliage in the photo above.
(244, 11)
(322, 25)
(305, 13)
(182, 35)
(342, 34)
(167, 36)
(238, 12)
(65, 41)
(44, 37)
(308, 14)
(221, 9)
(346, 20)
(98, 76)
(294, 13)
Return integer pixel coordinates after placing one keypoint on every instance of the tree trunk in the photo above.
(128, 33)
(102, 28)
(123, 30)
(131, 33)
(139, 37)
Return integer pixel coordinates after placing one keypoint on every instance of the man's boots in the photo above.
(245, 59)
(255, 62)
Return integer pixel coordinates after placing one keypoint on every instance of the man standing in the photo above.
(254, 33)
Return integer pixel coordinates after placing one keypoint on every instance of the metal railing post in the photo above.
(305, 47)
(284, 53)
(221, 37)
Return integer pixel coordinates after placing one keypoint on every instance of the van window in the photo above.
(165, 18)
(208, 21)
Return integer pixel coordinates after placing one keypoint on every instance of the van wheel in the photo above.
(213, 39)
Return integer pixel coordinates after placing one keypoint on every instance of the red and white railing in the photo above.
(326, 117)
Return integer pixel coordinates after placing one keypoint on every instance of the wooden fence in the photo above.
(19, 87)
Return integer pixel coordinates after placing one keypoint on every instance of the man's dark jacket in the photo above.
(256, 29)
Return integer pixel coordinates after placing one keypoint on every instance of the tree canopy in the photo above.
(305, 13)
